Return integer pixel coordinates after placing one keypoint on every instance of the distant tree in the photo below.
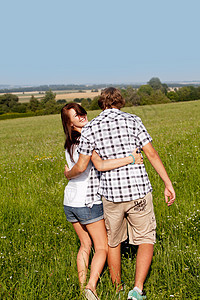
(51, 107)
(123, 92)
(131, 97)
(193, 93)
(77, 100)
(49, 96)
(94, 104)
(9, 100)
(157, 97)
(173, 96)
(61, 101)
(19, 108)
(144, 92)
(34, 104)
(184, 93)
(164, 88)
(4, 109)
(145, 89)
(155, 83)
(198, 92)
(85, 104)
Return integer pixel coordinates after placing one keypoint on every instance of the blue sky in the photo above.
(89, 41)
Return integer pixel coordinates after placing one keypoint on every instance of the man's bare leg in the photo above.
(143, 262)
(114, 264)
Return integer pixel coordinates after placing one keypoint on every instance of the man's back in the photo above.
(114, 134)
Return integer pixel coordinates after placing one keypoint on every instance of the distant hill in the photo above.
(10, 87)
(182, 83)
(58, 87)
(6, 88)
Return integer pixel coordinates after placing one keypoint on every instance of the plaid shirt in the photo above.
(92, 194)
(115, 134)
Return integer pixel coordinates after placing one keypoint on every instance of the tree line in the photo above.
(54, 87)
(61, 87)
(154, 92)
(9, 103)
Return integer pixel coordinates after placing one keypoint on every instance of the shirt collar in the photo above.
(108, 110)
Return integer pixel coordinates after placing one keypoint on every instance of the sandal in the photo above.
(90, 295)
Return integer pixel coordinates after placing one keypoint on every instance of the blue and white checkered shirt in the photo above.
(115, 134)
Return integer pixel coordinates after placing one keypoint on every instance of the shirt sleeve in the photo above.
(86, 145)
(142, 134)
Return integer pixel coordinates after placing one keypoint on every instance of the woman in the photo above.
(82, 204)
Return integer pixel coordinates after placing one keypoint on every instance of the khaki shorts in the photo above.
(135, 219)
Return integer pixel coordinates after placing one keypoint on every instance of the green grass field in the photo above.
(38, 247)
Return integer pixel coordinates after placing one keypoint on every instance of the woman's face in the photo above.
(77, 122)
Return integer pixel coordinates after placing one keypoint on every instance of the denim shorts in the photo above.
(84, 215)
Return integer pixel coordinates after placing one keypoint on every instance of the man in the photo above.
(126, 191)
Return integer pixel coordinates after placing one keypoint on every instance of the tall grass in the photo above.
(38, 247)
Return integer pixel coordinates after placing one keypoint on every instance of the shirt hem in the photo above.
(142, 195)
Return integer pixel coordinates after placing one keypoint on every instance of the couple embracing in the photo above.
(105, 165)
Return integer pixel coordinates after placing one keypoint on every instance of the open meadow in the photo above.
(68, 95)
(38, 247)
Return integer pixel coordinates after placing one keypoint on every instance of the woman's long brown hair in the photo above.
(72, 136)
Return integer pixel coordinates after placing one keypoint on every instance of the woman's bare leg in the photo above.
(83, 253)
(98, 234)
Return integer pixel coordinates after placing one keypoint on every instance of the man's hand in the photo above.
(170, 195)
(138, 157)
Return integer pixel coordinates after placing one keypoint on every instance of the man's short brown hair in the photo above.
(111, 97)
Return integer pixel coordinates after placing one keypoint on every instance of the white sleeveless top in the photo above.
(76, 189)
